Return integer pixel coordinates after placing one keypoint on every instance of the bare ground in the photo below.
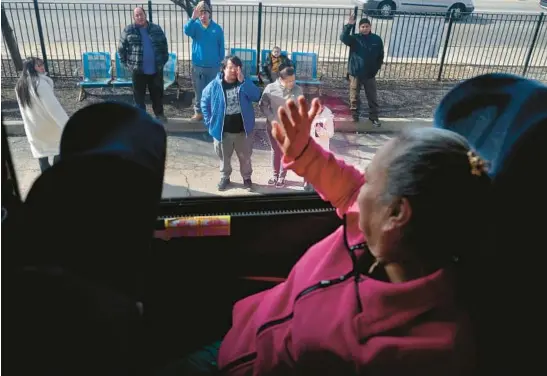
(397, 99)
(412, 90)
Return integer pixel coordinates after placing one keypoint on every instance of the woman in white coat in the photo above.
(43, 116)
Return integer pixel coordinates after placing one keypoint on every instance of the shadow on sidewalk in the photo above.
(178, 191)
(349, 146)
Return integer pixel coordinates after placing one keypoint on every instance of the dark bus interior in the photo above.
(187, 285)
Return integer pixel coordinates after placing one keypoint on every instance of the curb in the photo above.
(15, 128)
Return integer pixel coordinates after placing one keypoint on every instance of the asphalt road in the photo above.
(482, 38)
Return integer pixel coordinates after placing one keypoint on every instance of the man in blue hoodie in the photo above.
(207, 50)
(228, 114)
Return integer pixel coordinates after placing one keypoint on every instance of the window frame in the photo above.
(264, 205)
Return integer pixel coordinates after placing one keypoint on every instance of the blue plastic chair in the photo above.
(248, 57)
(305, 65)
(123, 77)
(97, 71)
(170, 71)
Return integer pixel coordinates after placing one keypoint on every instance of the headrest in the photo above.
(111, 155)
(504, 117)
(493, 111)
(94, 211)
(115, 129)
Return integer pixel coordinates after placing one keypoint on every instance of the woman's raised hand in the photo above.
(292, 133)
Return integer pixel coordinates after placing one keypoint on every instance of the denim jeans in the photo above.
(200, 78)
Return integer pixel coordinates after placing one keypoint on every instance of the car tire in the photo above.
(386, 9)
(459, 11)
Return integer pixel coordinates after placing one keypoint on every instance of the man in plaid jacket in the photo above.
(143, 52)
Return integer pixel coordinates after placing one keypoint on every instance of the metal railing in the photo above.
(417, 46)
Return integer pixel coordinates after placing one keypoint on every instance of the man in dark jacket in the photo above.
(143, 52)
(275, 59)
(366, 56)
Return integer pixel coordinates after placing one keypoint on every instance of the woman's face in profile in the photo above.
(289, 82)
(374, 211)
(39, 66)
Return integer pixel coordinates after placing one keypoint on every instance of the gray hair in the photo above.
(431, 168)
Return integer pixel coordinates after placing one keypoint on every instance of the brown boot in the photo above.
(197, 117)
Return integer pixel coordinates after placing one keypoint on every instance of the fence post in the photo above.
(258, 38)
(533, 45)
(150, 11)
(448, 34)
(41, 34)
(355, 10)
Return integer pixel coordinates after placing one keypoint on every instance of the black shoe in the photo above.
(280, 183)
(272, 180)
(376, 123)
(248, 184)
(223, 184)
(355, 115)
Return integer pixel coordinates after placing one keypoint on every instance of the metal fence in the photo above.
(418, 47)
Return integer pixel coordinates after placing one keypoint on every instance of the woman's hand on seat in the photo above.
(293, 131)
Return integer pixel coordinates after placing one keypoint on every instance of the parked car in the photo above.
(387, 7)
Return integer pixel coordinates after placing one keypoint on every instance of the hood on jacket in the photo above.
(326, 112)
(94, 212)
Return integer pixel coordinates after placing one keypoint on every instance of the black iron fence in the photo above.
(418, 46)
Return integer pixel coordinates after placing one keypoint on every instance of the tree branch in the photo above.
(11, 43)
(189, 5)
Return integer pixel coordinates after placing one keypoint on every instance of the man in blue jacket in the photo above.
(366, 56)
(228, 114)
(207, 50)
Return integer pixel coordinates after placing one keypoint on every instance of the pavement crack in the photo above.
(188, 190)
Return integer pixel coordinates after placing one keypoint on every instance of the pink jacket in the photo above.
(324, 320)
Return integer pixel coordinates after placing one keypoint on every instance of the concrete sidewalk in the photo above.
(343, 125)
(192, 167)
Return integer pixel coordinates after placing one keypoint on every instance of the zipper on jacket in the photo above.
(239, 98)
(320, 285)
(223, 115)
(239, 361)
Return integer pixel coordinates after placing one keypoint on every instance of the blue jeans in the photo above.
(201, 77)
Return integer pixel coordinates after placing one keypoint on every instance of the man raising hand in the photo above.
(366, 56)
(207, 50)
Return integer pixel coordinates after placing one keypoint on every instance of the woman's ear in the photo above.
(400, 213)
